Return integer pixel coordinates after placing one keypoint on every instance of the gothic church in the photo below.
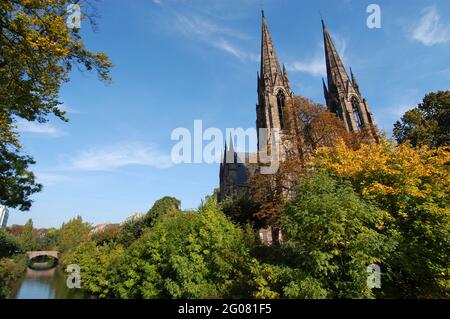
(275, 108)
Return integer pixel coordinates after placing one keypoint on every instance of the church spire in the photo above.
(230, 153)
(355, 83)
(270, 73)
(336, 73)
(343, 96)
(325, 89)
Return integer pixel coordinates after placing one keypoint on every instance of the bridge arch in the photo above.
(33, 254)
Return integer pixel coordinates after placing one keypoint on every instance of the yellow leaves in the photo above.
(385, 172)
(378, 188)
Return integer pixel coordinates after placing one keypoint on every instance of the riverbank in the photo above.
(11, 270)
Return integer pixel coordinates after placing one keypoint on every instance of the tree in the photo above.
(161, 207)
(108, 235)
(412, 186)
(72, 233)
(98, 264)
(428, 123)
(37, 52)
(49, 240)
(271, 281)
(242, 210)
(16, 230)
(186, 255)
(315, 127)
(17, 182)
(28, 240)
(133, 228)
(332, 236)
(9, 244)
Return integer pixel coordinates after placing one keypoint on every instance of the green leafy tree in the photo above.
(332, 237)
(412, 186)
(9, 244)
(98, 265)
(38, 50)
(28, 238)
(133, 229)
(50, 240)
(17, 182)
(73, 233)
(271, 281)
(107, 235)
(11, 270)
(186, 255)
(242, 210)
(161, 207)
(428, 123)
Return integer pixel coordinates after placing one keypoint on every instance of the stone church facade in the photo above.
(275, 109)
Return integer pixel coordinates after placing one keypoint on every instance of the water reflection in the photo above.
(45, 284)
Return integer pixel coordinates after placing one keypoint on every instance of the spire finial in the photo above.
(321, 19)
(262, 13)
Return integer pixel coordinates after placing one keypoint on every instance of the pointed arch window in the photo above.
(281, 99)
(357, 113)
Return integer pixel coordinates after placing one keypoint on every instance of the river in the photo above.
(45, 284)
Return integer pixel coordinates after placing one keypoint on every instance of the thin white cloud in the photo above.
(316, 66)
(235, 51)
(430, 30)
(38, 128)
(117, 156)
(211, 33)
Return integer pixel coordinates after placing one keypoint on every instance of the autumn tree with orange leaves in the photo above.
(314, 127)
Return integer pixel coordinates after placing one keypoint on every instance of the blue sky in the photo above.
(181, 60)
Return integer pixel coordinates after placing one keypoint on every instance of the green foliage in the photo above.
(98, 266)
(420, 266)
(428, 123)
(412, 187)
(271, 281)
(131, 230)
(107, 235)
(50, 240)
(73, 233)
(242, 210)
(134, 228)
(17, 183)
(165, 205)
(9, 245)
(28, 238)
(186, 255)
(38, 51)
(332, 238)
(11, 269)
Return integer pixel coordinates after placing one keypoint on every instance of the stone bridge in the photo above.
(50, 253)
